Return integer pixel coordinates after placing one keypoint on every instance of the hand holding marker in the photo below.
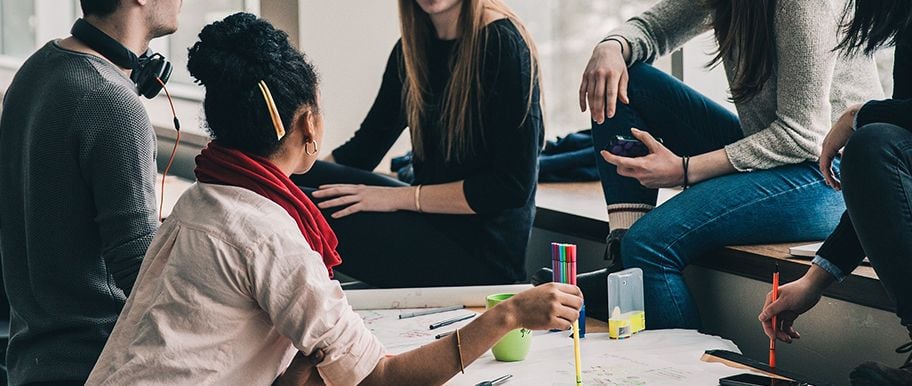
(563, 260)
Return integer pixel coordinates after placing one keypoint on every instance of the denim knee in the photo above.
(642, 247)
(644, 77)
(870, 149)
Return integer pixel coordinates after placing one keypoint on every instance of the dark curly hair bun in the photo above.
(238, 50)
(230, 58)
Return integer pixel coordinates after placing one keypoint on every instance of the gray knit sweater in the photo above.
(77, 212)
(810, 88)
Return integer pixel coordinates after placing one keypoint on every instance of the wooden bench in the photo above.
(578, 210)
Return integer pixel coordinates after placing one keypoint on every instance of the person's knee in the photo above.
(870, 149)
(642, 71)
(641, 248)
(875, 134)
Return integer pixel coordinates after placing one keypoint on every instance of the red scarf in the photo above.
(224, 166)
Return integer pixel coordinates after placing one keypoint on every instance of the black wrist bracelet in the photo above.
(685, 161)
(616, 39)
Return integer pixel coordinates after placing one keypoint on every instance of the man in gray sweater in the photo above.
(77, 198)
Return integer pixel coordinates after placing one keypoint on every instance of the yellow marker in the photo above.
(576, 353)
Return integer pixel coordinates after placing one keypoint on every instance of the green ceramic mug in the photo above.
(515, 345)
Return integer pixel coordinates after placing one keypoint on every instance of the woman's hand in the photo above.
(363, 198)
(794, 299)
(548, 306)
(659, 169)
(604, 81)
(835, 140)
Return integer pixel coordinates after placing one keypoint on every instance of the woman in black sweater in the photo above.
(876, 179)
(464, 79)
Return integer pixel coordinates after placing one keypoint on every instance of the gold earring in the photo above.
(315, 148)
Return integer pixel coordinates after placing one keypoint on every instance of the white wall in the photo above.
(349, 43)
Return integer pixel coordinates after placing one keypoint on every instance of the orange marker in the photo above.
(772, 360)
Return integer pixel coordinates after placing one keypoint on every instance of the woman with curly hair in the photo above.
(237, 282)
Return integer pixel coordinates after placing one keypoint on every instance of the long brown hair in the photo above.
(869, 25)
(463, 96)
(746, 33)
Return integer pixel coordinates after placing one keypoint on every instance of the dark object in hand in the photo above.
(626, 146)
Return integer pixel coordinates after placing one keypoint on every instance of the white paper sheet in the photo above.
(663, 357)
(401, 335)
(399, 298)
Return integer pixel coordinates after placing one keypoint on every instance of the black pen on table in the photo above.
(444, 334)
(496, 381)
(451, 321)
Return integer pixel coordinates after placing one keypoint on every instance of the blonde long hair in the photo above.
(462, 102)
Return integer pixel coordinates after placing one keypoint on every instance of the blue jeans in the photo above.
(787, 203)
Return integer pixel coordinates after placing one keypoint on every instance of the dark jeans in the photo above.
(783, 204)
(877, 184)
(56, 383)
(398, 249)
(4, 341)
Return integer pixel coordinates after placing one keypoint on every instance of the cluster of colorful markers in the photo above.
(563, 264)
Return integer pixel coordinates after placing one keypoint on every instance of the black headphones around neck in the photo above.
(147, 69)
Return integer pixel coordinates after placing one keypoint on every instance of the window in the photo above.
(566, 32)
(17, 28)
(194, 16)
(26, 25)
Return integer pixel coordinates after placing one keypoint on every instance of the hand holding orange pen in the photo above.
(775, 295)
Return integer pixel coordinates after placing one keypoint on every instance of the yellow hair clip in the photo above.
(273, 111)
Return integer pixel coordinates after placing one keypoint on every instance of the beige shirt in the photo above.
(227, 294)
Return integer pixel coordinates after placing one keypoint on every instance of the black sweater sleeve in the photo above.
(513, 131)
(897, 111)
(902, 67)
(383, 124)
(842, 248)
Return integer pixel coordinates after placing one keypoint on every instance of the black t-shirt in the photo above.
(500, 179)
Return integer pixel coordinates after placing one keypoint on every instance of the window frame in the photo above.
(48, 12)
